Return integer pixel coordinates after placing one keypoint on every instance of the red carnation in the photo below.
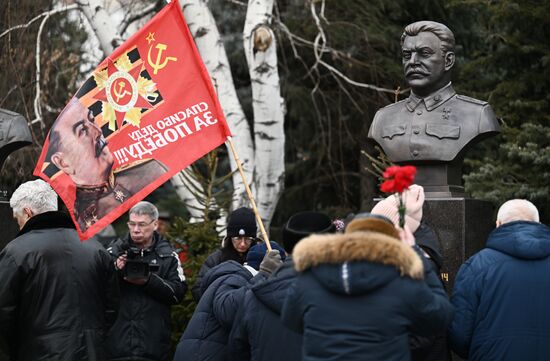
(396, 180)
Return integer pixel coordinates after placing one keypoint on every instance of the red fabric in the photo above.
(174, 120)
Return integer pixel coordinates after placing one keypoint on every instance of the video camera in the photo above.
(136, 267)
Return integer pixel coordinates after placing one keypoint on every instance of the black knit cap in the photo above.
(242, 223)
(304, 224)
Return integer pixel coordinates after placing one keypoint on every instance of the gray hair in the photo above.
(441, 31)
(145, 208)
(36, 195)
(517, 210)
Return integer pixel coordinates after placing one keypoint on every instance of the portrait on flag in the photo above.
(147, 111)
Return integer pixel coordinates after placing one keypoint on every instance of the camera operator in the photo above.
(151, 280)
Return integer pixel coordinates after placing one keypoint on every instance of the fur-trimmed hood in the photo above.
(357, 262)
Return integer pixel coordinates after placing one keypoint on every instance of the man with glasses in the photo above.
(151, 280)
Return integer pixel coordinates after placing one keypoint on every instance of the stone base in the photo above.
(462, 226)
(8, 225)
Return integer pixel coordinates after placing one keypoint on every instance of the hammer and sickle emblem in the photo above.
(119, 94)
(160, 62)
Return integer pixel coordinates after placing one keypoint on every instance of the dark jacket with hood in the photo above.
(205, 337)
(358, 296)
(58, 296)
(225, 253)
(143, 328)
(258, 333)
(501, 296)
(434, 347)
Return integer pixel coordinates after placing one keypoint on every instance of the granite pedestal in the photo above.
(462, 226)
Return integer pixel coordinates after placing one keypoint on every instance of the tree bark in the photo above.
(210, 45)
(269, 138)
(102, 24)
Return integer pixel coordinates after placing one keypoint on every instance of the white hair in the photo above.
(145, 208)
(517, 210)
(36, 195)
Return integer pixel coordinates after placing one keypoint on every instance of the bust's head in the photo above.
(428, 56)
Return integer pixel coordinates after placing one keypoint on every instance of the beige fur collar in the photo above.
(357, 246)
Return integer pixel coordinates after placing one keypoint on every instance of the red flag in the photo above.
(148, 111)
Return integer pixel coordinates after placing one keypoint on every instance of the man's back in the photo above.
(56, 299)
(501, 297)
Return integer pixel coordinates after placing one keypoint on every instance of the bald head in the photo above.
(517, 210)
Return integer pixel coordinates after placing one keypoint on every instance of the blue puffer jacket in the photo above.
(258, 333)
(358, 296)
(502, 295)
(205, 338)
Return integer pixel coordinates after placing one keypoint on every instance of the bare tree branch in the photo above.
(37, 109)
(143, 13)
(240, 3)
(46, 13)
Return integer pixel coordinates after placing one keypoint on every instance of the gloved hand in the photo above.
(272, 260)
(406, 236)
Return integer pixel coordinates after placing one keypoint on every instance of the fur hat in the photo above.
(414, 200)
(373, 223)
(242, 223)
(304, 224)
(256, 254)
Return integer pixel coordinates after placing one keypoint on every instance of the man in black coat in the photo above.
(258, 332)
(58, 297)
(151, 281)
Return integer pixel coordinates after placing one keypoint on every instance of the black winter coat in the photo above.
(206, 335)
(258, 333)
(435, 347)
(143, 328)
(359, 295)
(58, 296)
(226, 253)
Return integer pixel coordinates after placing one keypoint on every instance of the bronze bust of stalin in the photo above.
(434, 127)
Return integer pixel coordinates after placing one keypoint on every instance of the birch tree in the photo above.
(263, 157)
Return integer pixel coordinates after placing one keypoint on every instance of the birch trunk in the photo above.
(181, 182)
(210, 45)
(102, 24)
(261, 54)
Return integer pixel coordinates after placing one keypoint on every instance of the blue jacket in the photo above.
(258, 333)
(358, 296)
(502, 296)
(205, 338)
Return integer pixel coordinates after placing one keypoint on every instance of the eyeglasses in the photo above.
(246, 240)
(138, 224)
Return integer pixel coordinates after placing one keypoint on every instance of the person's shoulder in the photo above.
(164, 247)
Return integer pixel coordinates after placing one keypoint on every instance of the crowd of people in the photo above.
(370, 291)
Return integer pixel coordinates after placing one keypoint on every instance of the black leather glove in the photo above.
(272, 260)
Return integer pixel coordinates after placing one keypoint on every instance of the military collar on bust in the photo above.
(433, 100)
(97, 191)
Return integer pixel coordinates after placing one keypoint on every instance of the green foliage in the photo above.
(201, 239)
(197, 240)
(506, 62)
